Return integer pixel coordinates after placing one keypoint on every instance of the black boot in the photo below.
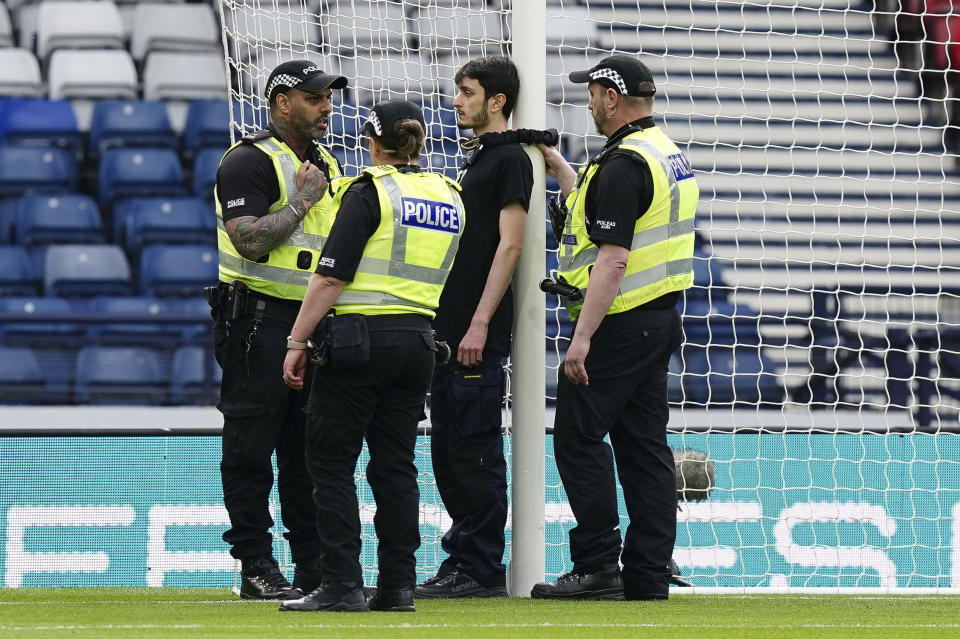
(607, 584)
(260, 578)
(676, 578)
(457, 585)
(392, 600)
(333, 596)
(307, 576)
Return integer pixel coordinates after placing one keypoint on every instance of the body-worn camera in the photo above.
(560, 286)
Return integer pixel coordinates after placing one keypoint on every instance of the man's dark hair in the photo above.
(496, 74)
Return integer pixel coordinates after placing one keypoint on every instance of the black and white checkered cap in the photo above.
(303, 75)
(385, 114)
(621, 72)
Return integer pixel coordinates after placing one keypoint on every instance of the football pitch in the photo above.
(211, 613)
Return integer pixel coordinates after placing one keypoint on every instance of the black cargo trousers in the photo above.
(380, 401)
(262, 415)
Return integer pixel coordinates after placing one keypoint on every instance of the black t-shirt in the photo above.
(498, 176)
(357, 220)
(247, 182)
(619, 194)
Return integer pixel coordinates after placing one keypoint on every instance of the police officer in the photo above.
(382, 270)
(627, 244)
(475, 317)
(271, 198)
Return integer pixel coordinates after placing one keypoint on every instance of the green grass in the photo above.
(209, 614)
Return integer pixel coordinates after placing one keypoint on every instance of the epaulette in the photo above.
(256, 136)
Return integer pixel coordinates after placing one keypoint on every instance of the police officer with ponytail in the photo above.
(271, 198)
(626, 244)
(373, 296)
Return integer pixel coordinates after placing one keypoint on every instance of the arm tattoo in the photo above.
(254, 237)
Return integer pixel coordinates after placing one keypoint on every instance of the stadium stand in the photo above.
(119, 375)
(130, 123)
(207, 125)
(31, 169)
(173, 27)
(6, 28)
(50, 219)
(17, 275)
(20, 74)
(78, 25)
(126, 173)
(21, 379)
(38, 122)
(205, 172)
(167, 221)
(197, 378)
(176, 270)
(86, 270)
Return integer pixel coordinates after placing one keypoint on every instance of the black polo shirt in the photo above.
(619, 194)
(497, 176)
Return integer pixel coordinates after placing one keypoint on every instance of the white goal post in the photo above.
(821, 366)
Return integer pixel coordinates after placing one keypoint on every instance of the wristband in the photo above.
(296, 346)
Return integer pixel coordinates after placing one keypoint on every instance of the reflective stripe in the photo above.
(397, 266)
(264, 271)
(652, 275)
(667, 171)
(298, 238)
(447, 262)
(348, 298)
(641, 239)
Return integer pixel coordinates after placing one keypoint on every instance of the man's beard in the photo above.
(305, 128)
(599, 121)
(480, 118)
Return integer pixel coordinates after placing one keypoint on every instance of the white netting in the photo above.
(825, 314)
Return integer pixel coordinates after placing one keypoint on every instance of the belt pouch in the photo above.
(348, 341)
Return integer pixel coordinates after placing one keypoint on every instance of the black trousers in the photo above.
(627, 399)
(262, 415)
(381, 401)
(466, 448)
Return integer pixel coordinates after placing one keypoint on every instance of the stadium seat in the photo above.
(195, 376)
(128, 173)
(173, 27)
(8, 215)
(345, 122)
(283, 22)
(400, 74)
(205, 167)
(78, 25)
(707, 279)
(17, 275)
(725, 375)
(119, 375)
(719, 323)
(6, 27)
(208, 125)
(147, 323)
(352, 159)
(130, 123)
(21, 380)
(196, 309)
(35, 122)
(96, 74)
(443, 135)
(20, 74)
(86, 270)
(26, 170)
(168, 221)
(184, 76)
(48, 219)
(177, 270)
(464, 34)
(441, 163)
(21, 326)
(364, 26)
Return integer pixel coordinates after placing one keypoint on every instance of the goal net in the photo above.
(820, 363)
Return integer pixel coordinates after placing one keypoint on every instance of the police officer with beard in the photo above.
(271, 198)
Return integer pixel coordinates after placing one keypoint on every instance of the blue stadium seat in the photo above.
(86, 270)
(727, 375)
(21, 326)
(720, 323)
(177, 270)
(195, 376)
(135, 123)
(119, 375)
(167, 220)
(208, 125)
(675, 380)
(35, 170)
(195, 308)
(205, 167)
(707, 278)
(128, 173)
(148, 315)
(49, 219)
(33, 122)
(17, 275)
(443, 135)
(345, 124)
(8, 215)
(352, 159)
(21, 380)
(448, 165)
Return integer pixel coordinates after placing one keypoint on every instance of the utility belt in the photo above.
(343, 341)
(235, 300)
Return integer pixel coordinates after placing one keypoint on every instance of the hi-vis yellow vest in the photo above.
(661, 255)
(406, 261)
(286, 270)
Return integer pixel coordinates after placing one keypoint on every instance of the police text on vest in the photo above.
(429, 214)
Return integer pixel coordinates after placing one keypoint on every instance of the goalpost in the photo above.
(820, 366)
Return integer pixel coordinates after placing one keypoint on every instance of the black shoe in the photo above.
(576, 585)
(457, 585)
(392, 601)
(369, 592)
(675, 578)
(306, 575)
(260, 578)
(333, 596)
